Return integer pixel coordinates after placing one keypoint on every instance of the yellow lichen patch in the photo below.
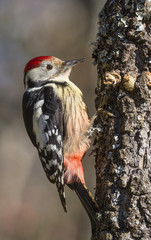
(148, 76)
(112, 77)
(129, 81)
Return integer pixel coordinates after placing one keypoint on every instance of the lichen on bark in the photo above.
(122, 53)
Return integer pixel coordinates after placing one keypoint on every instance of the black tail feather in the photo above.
(88, 202)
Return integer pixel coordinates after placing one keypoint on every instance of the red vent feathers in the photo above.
(35, 62)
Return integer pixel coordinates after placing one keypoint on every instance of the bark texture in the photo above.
(122, 53)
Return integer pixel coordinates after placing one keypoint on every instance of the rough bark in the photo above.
(122, 53)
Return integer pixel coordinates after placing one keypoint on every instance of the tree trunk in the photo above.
(122, 53)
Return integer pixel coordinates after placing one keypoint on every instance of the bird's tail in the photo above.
(88, 202)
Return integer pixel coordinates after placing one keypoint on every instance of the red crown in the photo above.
(35, 62)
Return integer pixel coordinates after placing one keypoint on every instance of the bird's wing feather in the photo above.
(47, 124)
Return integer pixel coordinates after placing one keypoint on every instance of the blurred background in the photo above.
(29, 205)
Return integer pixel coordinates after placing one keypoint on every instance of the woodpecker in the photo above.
(57, 123)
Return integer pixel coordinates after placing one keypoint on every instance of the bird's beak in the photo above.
(71, 63)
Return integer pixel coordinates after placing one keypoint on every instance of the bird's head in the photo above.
(42, 70)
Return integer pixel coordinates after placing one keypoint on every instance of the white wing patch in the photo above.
(44, 138)
(39, 124)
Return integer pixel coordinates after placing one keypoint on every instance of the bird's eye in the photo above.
(49, 67)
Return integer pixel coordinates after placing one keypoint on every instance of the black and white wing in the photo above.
(43, 117)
